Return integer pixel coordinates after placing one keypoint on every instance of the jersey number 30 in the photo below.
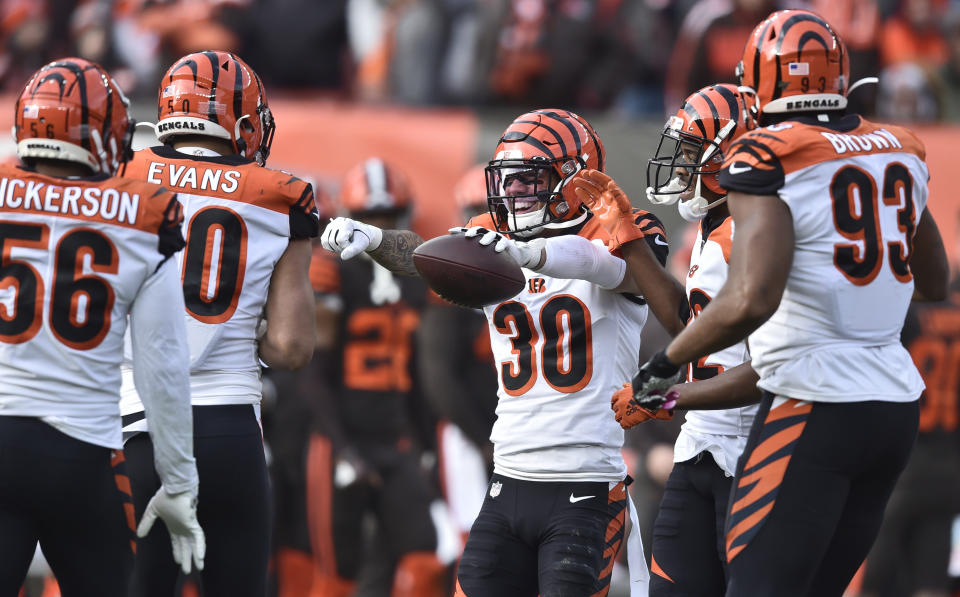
(566, 355)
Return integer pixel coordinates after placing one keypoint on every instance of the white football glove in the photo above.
(525, 254)
(349, 237)
(179, 513)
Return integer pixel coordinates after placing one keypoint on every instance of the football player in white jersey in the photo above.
(244, 267)
(82, 250)
(554, 514)
(688, 555)
(832, 241)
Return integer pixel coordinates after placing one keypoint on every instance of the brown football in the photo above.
(467, 273)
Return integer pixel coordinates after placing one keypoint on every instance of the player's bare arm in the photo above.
(928, 261)
(760, 262)
(733, 388)
(646, 277)
(393, 249)
(396, 251)
(290, 337)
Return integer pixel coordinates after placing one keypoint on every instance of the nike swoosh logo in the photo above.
(734, 169)
(574, 500)
(659, 240)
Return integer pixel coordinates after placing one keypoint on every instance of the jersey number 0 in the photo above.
(214, 261)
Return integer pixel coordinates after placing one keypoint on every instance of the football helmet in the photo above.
(216, 94)
(537, 155)
(795, 62)
(470, 192)
(73, 110)
(692, 146)
(374, 186)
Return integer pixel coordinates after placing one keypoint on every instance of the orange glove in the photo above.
(608, 203)
(628, 413)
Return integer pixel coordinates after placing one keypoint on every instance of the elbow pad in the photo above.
(574, 257)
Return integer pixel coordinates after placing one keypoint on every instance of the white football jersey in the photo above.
(76, 253)
(561, 349)
(856, 191)
(723, 433)
(238, 219)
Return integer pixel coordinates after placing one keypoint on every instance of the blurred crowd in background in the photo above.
(637, 58)
(619, 59)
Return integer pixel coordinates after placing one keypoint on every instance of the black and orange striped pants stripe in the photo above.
(810, 491)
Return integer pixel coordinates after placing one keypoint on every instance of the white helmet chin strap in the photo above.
(694, 210)
(863, 81)
(669, 194)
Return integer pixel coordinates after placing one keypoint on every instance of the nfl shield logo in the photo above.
(495, 488)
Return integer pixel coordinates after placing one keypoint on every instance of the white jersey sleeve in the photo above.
(161, 374)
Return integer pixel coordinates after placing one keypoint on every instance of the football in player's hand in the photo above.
(464, 272)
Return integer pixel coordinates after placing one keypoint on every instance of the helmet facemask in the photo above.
(683, 163)
(525, 195)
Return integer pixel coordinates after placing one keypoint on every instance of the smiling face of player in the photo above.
(527, 189)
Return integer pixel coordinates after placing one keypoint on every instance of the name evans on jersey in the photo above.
(183, 176)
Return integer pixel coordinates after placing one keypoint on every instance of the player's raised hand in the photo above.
(609, 204)
(179, 513)
(629, 413)
(349, 237)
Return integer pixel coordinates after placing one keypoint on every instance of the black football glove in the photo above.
(655, 377)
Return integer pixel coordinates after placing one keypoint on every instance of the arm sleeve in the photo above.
(575, 257)
(304, 217)
(653, 234)
(752, 166)
(161, 374)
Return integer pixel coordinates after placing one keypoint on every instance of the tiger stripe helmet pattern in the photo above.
(796, 62)
(219, 95)
(549, 146)
(374, 186)
(696, 139)
(72, 110)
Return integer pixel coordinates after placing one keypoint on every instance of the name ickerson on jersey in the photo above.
(211, 179)
(107, 203)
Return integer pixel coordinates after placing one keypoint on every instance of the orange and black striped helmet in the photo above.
(695, 139)
(73, 110)
(537, 154)
(374, 186)
(796, 62)
(219, 95)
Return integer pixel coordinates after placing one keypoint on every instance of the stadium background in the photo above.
(429, 85)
